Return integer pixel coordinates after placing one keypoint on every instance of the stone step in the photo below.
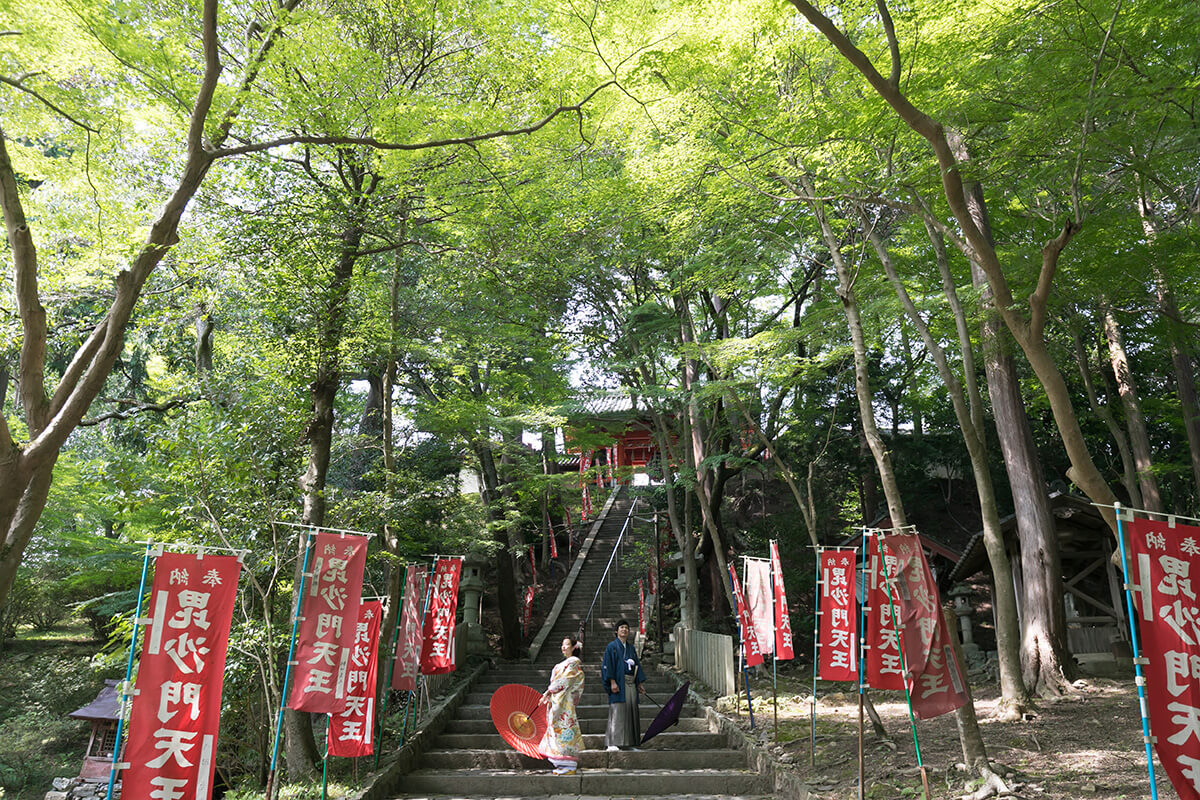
(493, 783)
(590, 711)
(588, 759)
(424, 796)
(592, 695)
(668, 740)
(587, 725)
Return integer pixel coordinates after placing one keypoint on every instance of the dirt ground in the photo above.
(1085, 745)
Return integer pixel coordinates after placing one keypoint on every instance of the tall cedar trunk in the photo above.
(1139, 441)
(1014, 696)
(301, 751)
(1046, 663)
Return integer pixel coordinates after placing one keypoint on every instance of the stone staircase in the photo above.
(470, 760)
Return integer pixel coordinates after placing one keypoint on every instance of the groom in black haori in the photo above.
(621, 671)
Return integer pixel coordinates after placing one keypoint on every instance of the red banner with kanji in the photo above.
(783, 620)
(1162, 557)
(176, 714)
(351, 730)
(553, 540)
(408, 643)
(760, 602)
(332, 595)
(527, 611)
(641, 607)
(936, 685)
(437, 651)
(839, 618)
(750, 648)
(884, 665)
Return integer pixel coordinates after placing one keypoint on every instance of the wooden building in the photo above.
(1095, 608)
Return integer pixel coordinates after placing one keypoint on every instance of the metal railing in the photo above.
(608, 569)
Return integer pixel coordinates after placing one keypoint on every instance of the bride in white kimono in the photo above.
(563, 739)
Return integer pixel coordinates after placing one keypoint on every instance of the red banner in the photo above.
(408, 643)
(936, 685)
(331, 598)
(527, 615)
(1161, 558)
(176, 714)
(759, 603)
(437, 651)
(783, 620)
(839, 618)
(641, 607)
(884, 664)
(749, 641)
(352, 731)
(587, 506)
(553, 540)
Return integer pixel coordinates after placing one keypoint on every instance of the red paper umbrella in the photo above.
(519, 718)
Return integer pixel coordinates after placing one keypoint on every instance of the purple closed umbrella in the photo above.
(668, 714)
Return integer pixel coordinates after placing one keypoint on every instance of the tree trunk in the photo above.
(1185, 374)
(1046, 663)
(689, 610)
(1014, 696)
(506, 587)
(1139, 441)
(301, 751)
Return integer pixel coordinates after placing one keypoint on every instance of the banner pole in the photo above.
(812, 705)
(287, 675)
(1137, 657)
(410, 706)
(745, 668)
(912, 720)
(774, 649)
(325, 763)
(862, 652)
(125, 693)
(387, 686)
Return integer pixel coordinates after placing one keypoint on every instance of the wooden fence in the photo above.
(707, 657)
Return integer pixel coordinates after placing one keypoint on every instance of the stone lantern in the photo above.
(471, 586)
(961, 594)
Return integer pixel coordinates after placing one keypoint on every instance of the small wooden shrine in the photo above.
(102, 713)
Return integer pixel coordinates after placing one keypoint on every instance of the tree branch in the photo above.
(889, 27)
(25, 286)
(20, 86)
(135, 409)
(369, 141)
(1050, 255)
